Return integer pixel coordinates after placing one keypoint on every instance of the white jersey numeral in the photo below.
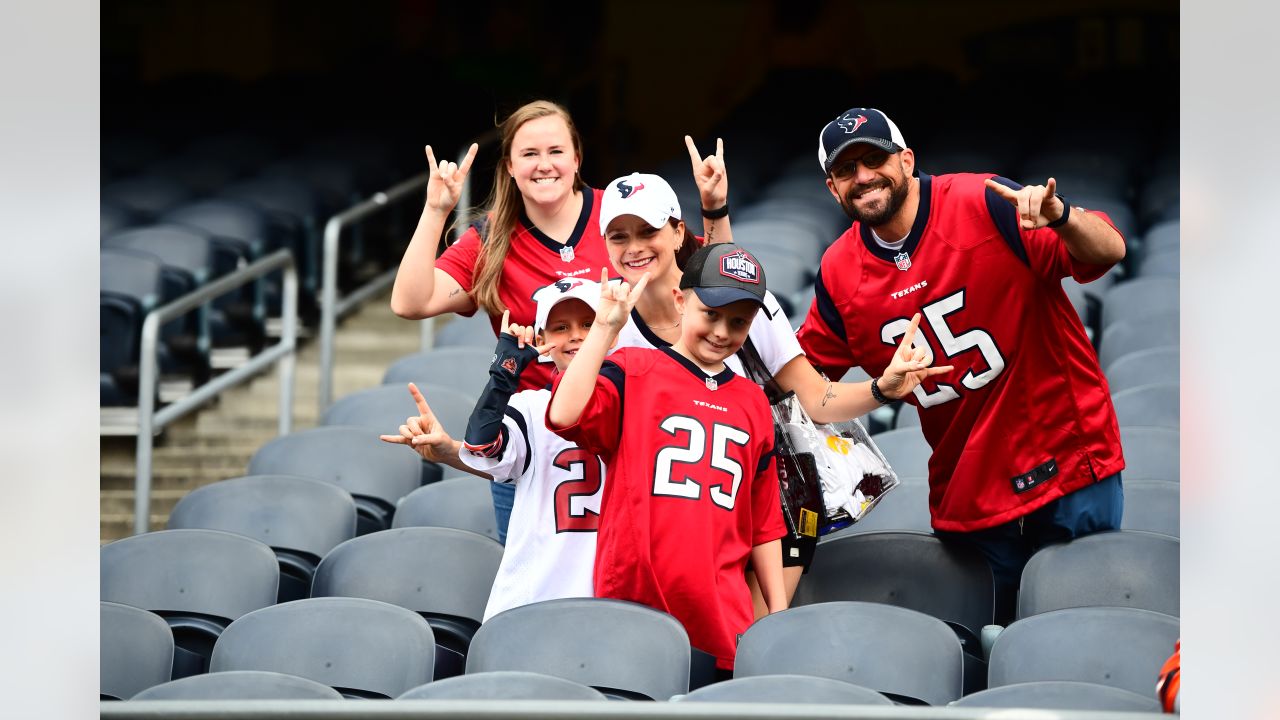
(692, 453)
(935, 314)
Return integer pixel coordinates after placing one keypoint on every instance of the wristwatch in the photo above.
(1066, 213)
(877, 393)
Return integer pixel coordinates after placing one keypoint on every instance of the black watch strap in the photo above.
(1066, 213)
(877, 394)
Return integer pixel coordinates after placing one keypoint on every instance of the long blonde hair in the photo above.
(505, 204)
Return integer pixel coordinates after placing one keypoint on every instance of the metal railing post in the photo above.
(151, 421)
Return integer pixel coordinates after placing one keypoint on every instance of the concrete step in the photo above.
(120, 502)
(115, 526)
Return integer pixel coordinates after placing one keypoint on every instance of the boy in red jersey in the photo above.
(688, 447)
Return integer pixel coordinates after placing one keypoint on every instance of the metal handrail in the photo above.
(332, 308)
(151, 421)
(550, 710)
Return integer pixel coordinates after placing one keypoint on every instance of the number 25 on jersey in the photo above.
(953, 344)
(692, 453)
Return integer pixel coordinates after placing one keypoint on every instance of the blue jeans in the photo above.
(1008, 547)
(504, 496)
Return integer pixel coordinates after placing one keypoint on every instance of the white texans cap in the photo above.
(648, 197)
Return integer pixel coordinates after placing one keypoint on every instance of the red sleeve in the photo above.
(598, 429)
(1046, 250)
(766, 507)
(459, 259)
(823, 337)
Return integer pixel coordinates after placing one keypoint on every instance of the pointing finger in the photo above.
(506, 319)
(1001, 190)
(939, 370)
(720, 148)
(544, 349)
(423, 408)
(1050, 187)
(634, 297)
(431, 160)
(394, 439)
(909, 337)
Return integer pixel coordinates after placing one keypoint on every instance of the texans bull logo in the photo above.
(565, 286)
(851, 124)
(626, 190)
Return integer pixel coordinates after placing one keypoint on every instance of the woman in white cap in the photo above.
(641, 221)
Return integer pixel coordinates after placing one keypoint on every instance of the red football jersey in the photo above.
(1026, 416)
(692, 488)
(533, 261)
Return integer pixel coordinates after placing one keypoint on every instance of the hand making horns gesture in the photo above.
(909, 367)
(424, 434)
(616, 301)
(709, 173)
(444, 187)
(1037, 205)
(523, 334)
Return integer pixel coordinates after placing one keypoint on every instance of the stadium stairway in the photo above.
(216, 442)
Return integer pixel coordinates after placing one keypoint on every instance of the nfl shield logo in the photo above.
(712, 384)
(902, 260)
(566, 254)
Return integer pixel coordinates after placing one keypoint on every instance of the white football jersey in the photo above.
(551, 541)
(773, 337)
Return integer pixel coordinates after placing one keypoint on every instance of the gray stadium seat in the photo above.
(1163, 237)
(1159, 198)
(905, 569)
(464, 503)
(908, 416)
(199, 581)
(359, 647)
(1151, 505)
(1143, 367)
(300, 518)
(1122, 568)
(187, 253)
(1154, 405)
(1150, 453)
(1125, 337)
(147, 195)
(906, 507)
(113, 218)
(908, 656)
(1061, 695)
(1121, 214)
(241, 685)
(504, 685)
(465, 369)
(1120, 647)
(383, 409)
(135, 651)
(620, 648)
(779, 236)
(474, 331)
(906, 450)
(443, 574)
(377, 474)
(789, 689)
(1166, 263)
(1139, 299)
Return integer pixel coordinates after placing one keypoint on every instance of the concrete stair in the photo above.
(215, 442)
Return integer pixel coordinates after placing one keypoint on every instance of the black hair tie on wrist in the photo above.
(1066, 213)
(716, 214)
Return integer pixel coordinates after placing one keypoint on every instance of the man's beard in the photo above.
(875, 218)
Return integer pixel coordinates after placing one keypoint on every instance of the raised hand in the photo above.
(909, 367)
(710, 175)
(617, 300)
(424, 434)
(444, 187)
(523, 334)
(1037, 205)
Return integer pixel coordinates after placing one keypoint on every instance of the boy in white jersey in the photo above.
(551, 541)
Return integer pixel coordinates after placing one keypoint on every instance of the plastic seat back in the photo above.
(1060, 695)
(1144, 367)
(904, 654)
(241, 685)
(505, 685)
(1123, 568)
(1150, 453)
(135, 651)
(465, 369)
(359, 647)
(1151, 505)
(464, 503)
(906, 450)
(790, 689)
(1119, 647)
(614, 646)
(1153, 405)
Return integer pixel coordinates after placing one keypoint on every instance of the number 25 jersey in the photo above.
(1026, 416)
(692, 488)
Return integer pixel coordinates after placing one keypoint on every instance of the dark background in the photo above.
(637, 76)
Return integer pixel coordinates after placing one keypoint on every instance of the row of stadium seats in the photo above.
(217, 590)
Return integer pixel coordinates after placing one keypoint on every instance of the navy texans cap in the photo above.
(724, 273)
(857, 125)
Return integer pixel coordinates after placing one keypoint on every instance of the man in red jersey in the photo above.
(688, 448)
(1026, 447)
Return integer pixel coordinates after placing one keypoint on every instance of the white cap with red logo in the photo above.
(648, 197)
